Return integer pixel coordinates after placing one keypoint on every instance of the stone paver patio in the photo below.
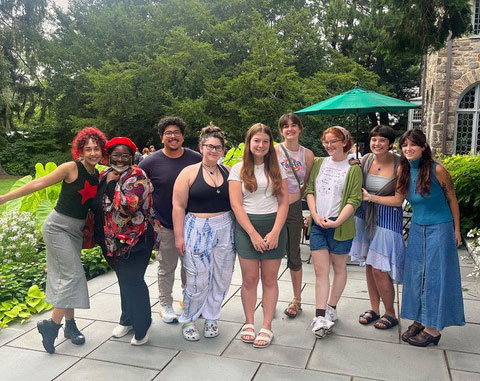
(352, 352)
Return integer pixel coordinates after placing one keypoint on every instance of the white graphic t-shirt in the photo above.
(329, 186)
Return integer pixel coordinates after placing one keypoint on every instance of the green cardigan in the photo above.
(351, 194)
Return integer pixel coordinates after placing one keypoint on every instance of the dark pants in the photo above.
(134, 294)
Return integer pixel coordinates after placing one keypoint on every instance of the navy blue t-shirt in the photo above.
(163, 171)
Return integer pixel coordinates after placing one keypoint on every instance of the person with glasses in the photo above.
(123, 213)
(204, 237)
(334, 192)
(259, 197)
(63, 234)
(163, 167)
(297, 162)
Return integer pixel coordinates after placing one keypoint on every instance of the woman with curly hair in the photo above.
(259, 198)
(123, 215)
(63, 236)
(432, 291)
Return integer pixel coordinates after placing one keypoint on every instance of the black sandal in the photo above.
(386, 322)
(369, 316)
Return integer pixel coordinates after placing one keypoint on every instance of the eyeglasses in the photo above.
(124, 156)
(211, 147)
(172, 133)
(325, 143)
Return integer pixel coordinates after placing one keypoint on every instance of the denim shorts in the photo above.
(322, 239)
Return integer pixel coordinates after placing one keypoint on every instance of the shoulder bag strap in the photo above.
(291, 166)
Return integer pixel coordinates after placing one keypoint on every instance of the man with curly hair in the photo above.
(163, 167)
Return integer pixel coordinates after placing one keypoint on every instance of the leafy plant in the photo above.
(93, 262)
(13, 309)
(39, 203)
(234, 155)
(17, 277)
(465, 172)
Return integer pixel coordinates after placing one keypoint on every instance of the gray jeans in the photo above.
(167, 257)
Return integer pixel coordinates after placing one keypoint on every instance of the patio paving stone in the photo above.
(200, 367)
(22, 364)
(464, 361)
(351, 356)
(269, 372)
(274, 354)
(145, 356)
(87, 369)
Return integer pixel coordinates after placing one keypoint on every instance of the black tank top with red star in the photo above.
(76, 197)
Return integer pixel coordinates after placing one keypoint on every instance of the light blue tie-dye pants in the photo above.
(208, 263)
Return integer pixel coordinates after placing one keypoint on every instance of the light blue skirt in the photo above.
(386, 250)
(432, 289)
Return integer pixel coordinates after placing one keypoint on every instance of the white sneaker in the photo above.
(167, 313)
(139, 342)
(321, 326)
(331, 313)
(121, 330)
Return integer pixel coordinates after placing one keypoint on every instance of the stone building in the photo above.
(451, 94)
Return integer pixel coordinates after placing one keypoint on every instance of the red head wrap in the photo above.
(121, 141)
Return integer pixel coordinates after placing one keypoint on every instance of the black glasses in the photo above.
(124, 156)
(211, 147)
(173, 133)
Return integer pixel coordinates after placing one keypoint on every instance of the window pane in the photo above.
(464, 132)
(468, 100)
(476, 18)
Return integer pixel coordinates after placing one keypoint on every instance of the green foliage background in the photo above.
(465, 172)
(123, 64)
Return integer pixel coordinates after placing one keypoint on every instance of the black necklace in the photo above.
(210, 174)
(207, 168)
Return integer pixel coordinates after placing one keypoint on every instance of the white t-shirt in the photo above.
(262, 201)
(329, 186)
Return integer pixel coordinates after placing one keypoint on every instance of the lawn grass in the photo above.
(6, 183)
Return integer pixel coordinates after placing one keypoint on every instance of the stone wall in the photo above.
(465, 72)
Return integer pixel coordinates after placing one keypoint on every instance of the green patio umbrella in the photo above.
(357, 101)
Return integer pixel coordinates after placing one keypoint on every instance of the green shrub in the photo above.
(31, 145)
(13, 309)
(93, 262)
(16, 278)
(465, 172)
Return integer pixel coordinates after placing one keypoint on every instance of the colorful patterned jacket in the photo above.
(127, 215)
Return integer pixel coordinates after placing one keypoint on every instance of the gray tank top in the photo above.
(375, 182)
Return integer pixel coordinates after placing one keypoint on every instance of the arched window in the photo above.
(467, 137)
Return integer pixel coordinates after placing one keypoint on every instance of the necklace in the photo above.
(210, 174)
(210, 166)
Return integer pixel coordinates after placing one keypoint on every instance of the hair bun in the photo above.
(211, 129)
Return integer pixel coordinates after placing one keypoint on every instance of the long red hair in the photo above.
(272, 168)
(82, 138)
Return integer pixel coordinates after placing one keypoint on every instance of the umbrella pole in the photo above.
(356, 137)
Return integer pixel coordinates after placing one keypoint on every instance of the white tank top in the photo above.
(298, 161)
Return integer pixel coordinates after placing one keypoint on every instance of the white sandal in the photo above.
(267, 339)
(250, 334)
(190, 332)
(211, 328)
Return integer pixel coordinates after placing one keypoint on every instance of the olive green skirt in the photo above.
(263, 224)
